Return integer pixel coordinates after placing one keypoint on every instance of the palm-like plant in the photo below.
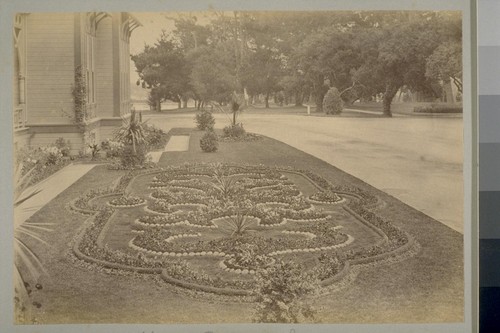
(237, 224)
(224, 185)
(132, 131)
(26, 260)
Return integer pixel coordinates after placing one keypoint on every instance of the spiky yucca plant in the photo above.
(26, 261)
(224, 185)
(239, 223)
(132, 131)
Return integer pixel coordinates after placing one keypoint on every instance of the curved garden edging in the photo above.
(209, 289)
(104, 263)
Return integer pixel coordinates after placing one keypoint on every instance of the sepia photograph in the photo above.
(239, 166)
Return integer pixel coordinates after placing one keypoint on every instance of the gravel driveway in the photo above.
(417, 160)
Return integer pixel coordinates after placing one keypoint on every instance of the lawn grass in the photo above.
(427, 287)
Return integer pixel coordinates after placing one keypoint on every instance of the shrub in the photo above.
(439, 108)
(42, 162)
(280, 292)
(154, 137)
(94, 149)
(51, 155)
(63, 146)
(332, 103)
(234, 131)
(112, 148)
(130, 158)
(209, 142)
(205, 120)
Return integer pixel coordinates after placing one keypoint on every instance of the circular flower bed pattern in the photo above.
(213, 227)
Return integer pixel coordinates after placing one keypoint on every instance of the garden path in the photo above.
(178, 143)
(49, 189)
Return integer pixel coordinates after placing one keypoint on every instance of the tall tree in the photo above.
(162, 69)
(262, 73)
(395, 56)
(327, 58)
(189, 34)
(445, 64)
(213, 74)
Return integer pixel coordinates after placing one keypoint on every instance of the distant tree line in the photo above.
(292, 56)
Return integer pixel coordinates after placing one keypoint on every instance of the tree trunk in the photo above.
(390, 92)
(319, 101)
(185, 103)
(299, 98)
(179, 104)
(267, 100)
(158, 106)
(234, 118)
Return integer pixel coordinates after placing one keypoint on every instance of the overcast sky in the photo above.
(152, 25)
(150, 31)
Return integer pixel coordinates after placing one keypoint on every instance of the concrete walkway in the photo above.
(50, 188)
(176, 143)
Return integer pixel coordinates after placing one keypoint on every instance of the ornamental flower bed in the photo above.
(328, 197)
(86, 204)
(241, 230)
(163, 220)
(176, 196)
(126, 201)
(161, 207)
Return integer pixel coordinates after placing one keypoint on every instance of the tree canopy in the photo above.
(303, 54)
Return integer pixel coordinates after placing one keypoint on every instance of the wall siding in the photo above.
(50, 67)
(104, 68)
(48, 139)
(21, 139)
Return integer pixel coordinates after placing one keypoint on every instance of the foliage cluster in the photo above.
(234, 131)
(132, 158)
(205, 120)
(41, 162)
(439, 108)
(281, 291)
(112, 148)
(134, 140)
(155, 138)
(332, 102)
(64, 146)
(363, 54)
(209, 142)
(79, 92)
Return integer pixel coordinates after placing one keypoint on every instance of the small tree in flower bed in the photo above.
(205, 120)
(280, 294)
(329, 265)
(224, 186)
(239, 223)
(209, 142)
